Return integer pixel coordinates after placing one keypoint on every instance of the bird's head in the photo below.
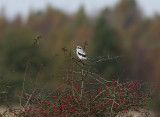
(78, 48)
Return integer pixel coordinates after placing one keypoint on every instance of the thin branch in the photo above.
(24, 79)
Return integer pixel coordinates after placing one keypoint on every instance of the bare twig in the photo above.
(24, 79)
(31, 95)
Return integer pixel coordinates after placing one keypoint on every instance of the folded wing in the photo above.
(82, 53)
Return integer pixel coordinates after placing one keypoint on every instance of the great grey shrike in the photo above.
(81, 54)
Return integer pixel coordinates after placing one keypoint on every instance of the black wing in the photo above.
(84, 55)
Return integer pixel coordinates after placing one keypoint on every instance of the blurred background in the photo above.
(127, 28)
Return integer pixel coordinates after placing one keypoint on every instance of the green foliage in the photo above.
(81, 17)
(106, 43)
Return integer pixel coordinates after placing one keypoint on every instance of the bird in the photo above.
(81, 54)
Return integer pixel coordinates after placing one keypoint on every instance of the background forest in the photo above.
(120, 31)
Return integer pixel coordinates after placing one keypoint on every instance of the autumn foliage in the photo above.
(119, 31)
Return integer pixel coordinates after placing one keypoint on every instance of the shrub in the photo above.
(84, 93)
